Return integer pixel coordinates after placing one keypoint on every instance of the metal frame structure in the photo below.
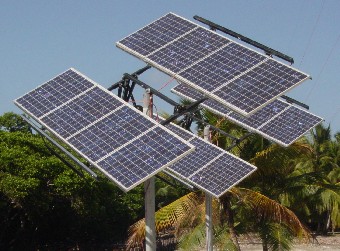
(61, 148)
(268, 51)
(125, 88)
(128, 83)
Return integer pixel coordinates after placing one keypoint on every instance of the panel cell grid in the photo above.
(186, 135)
(53, 93)
(157, 34)
(292, 123)
(103, 129)
(240, 78)
(109, 133)
(259, 86)
(203, 155)
(270, 121)
(80, 112)
(217, 179)
(222, 66)
(188, 49)
(144, 156)
(262, 116)
(226, 169)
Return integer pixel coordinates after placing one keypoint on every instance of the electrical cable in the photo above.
(322, 68)
(168, 82)
(312, 34)
(298, 21)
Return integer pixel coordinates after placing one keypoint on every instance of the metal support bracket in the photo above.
(269, 51)
(187, 109)
(56, 144)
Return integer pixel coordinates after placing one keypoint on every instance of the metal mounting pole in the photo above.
(208, 205)
(149, 189)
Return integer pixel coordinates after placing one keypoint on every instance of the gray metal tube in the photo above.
(208, 205)
(149, 189)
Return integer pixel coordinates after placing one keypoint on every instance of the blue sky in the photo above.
(40, 39)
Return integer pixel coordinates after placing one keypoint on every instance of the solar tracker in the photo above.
(123, 143)
(279, 121)
(240, 78)
(209, 168)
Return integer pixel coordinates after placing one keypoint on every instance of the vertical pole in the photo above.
(208, 205)
(149, 189)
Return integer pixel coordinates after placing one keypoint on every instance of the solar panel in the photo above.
(120, 141)
(230, 73)
(209, 168)
(279, 121)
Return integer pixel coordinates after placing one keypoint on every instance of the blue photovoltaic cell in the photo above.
(80, 112)
(259, 85)
(186, 135)
(157, 34)
(221, 67)
(53, 93)
(143, 156)
(188, 49)
(240, 78)
(103, 129)
(203, 155)
(111, 132)
(216, 178)
(272, 121)
(209, 167)
(291, 123)
(262, 116)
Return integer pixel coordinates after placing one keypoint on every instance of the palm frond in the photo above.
(268, 209)
(276, 236)
(222, 240)
(194, 239)
(167, 218)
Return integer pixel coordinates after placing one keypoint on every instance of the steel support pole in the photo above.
(149, 189)
(208, 205)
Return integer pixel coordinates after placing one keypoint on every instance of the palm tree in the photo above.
(185, 219)
(240, 210)
(322, 194)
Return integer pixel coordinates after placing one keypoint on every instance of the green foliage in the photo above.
(12, 122)
(222, 239)
(275, 236)
(43, 202)
(194, 239)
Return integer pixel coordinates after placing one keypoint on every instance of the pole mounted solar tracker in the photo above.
(179, 109)
(215, 73)
(242, 84)
(124, 144)
(238, 77)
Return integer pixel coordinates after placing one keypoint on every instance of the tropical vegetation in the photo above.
(294, 195)
(45, 205)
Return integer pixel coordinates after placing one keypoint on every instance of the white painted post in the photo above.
(208, 205)
(149, 189)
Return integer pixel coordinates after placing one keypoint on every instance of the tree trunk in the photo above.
(324, 223)
(230, 221)
(264, 245)
(327, 222)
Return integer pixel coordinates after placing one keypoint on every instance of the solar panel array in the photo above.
(120, 141)
(236, 76)
(209, 168)
(279, 121)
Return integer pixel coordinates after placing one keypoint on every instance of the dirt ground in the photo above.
(322, 243)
